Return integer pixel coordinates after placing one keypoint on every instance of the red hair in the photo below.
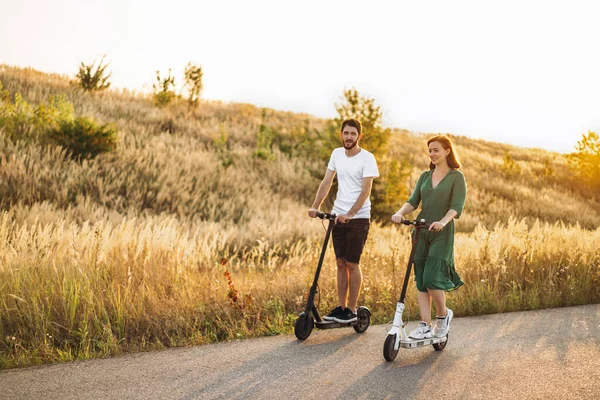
(452, 159)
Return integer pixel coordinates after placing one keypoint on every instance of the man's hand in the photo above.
(312, 212)
(397, 218)
(436, 226)
(342, 219)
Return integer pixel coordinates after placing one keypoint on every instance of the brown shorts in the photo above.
(349, 239)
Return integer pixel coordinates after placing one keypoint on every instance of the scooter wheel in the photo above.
(364, 320)
(304, 326)
(440, 346)
(389, 353)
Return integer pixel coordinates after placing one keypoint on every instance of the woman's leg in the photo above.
(424, 299)
(439, 299)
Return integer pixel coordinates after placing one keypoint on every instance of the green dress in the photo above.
(434, 255)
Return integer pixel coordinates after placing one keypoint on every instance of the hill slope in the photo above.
(172, 161)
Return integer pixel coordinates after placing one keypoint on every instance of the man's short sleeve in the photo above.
(331, 164)
(370, 169)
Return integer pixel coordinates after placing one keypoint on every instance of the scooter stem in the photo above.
(398, 326)
(398, 316)
(409, 267)
(313, 289)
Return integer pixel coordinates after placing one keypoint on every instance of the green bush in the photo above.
(54, 123)
(222, 147)
(163, 89)
(585, 162)
(264, 141)
(92, 80)
(20, 120)
(510, 168)
(193, 83)
(84, 138)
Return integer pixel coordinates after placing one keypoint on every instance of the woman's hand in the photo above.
(397, 218)
(436, 226)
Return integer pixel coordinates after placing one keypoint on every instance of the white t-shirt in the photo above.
(350, 172)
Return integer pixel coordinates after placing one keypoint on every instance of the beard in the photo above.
(349, 145)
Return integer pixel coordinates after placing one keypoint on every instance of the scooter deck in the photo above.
(324, 324)
(413, 343)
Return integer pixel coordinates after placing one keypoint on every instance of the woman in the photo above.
(442, 191)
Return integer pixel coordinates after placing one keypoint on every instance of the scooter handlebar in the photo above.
(328, 216)
(416, 223)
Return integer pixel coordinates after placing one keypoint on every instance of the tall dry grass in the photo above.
(73, 291)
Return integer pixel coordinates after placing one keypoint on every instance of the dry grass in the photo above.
(78, 291)
(129, 251)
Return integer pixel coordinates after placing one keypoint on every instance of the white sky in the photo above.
(519, 72)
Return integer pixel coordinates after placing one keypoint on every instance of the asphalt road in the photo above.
(547, 354)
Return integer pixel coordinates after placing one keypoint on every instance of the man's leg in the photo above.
(338, 236)
(342, 281)
(349, 277)
(355, 275)
(357, 236)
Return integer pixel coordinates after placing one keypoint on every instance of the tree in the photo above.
(375, 136)
(193, 83)
(389, 190)
(94, 78)
(585, 161)
(164, 89)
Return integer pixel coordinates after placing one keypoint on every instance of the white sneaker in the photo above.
(423, 331)
(442, 324)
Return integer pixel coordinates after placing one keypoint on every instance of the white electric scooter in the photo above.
(397, 336)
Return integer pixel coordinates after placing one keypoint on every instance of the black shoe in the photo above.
(346, 316)
(336, 312)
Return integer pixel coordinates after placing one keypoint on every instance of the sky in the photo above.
(518, 72)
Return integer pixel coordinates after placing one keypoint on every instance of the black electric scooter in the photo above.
(397, 336)
(310, 318)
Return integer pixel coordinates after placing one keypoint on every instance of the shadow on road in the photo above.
(250, 378)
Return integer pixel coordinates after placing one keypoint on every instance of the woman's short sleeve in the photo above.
(459, 194)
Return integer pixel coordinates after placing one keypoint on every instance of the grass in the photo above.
(182, 237)
(79, 291)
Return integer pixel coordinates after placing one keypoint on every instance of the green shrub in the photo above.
(264, 141)
(20, 120)
(54, 123)
(84, 138)
(193, 83)
(164, 89)
(264, 154)
(510, 168)
(92, 80)
(585, 162)
(222, 147)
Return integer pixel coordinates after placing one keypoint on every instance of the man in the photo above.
(355, 168)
